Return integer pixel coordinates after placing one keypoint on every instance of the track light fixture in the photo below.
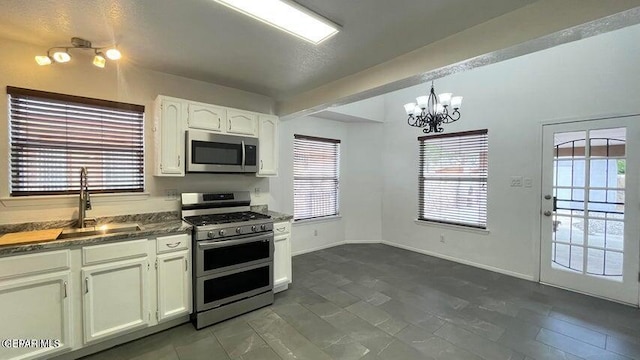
(60, 54)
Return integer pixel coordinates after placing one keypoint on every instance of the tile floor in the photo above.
(379, 302)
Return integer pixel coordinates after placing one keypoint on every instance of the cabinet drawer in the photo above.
(118, 251)
(281, 228)
(25, 265)
(173, 243)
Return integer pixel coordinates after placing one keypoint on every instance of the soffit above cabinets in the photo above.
(204, 40)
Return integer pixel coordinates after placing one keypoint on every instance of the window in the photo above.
(315, 177)
(453, 178)
(53, 136)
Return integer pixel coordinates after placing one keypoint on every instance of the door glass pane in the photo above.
(613, 264)
(576, 254)
(595, 262)
(607, 142)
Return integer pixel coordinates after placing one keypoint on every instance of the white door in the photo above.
(116, 298)
(36, 307)
(174, 285)
(590, 197)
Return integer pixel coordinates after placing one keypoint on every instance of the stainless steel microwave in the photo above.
(211, 152)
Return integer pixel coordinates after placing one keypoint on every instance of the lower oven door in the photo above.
(218, 256)
(222, 288)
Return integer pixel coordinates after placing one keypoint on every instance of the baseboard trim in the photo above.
(306, 251)
(461, 261)
(363, 241)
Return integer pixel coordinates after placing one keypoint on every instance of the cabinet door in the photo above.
(268, 149)
(172, 134)
(281, 262)
(207, 117)
(36, 307)
(174, 284)
(241, 122)
(115, 298)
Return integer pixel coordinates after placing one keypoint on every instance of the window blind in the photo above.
(316, 163)
(53, 135)
(453, 178)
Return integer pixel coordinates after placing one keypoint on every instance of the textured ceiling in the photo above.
(203, 40)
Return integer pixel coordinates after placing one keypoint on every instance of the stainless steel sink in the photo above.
(98, 230)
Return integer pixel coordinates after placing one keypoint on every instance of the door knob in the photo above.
(548, 197)
(547, 213)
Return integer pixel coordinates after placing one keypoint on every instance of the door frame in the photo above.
(537, 245)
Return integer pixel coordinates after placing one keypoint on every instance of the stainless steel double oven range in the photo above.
(232, 256)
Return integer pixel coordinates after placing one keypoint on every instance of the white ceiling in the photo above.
(203, 40)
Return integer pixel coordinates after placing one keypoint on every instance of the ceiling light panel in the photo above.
(287, 16)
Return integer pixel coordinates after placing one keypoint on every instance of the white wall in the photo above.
(126, 83)
(595, 76)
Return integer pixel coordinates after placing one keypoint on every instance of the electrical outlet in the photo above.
(516, 181)
(171, 195)
(442, 238)
(315, 232)
(257, 191)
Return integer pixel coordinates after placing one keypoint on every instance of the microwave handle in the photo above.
(244, 155)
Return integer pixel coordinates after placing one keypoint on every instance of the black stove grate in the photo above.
(214, 219)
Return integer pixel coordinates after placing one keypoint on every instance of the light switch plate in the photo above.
(528, 182)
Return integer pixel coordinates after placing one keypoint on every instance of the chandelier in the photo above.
(430, 114)
(61, 53)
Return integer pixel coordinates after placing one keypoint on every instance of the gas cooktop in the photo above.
(225, 218)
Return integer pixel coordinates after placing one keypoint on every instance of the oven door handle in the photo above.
(244, 155)
(204, 245)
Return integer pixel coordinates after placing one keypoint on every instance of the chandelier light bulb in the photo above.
(445, 99)
(61, 56)
(99, 60)
(456, 102)
(409, 108)
(43, 60)
(114, 54)
(422, 101)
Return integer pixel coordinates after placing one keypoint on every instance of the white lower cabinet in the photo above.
(35, 308)
(174, 284)
(115, 298)
(282, 256)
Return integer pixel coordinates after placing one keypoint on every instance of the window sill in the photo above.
(69, 200)
(452, 227)
(318, 220)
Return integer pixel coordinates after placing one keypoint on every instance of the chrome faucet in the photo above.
(85, 200)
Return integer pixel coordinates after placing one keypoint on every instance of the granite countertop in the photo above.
(276, 216)
(154, 224)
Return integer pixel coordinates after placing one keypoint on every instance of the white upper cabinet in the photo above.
(169, 128)
(173, 117)
(241, 122)
(207, 117)
(268, 146)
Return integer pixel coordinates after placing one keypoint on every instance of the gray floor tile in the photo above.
(207, 348)
(475, 344)
(377, 317)
(166, 352)
(239, 339)
(624, 347)
(577, 332)
(335, 295)
(285, 340)
(397, 350)
(369, 295)
(573, 346)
